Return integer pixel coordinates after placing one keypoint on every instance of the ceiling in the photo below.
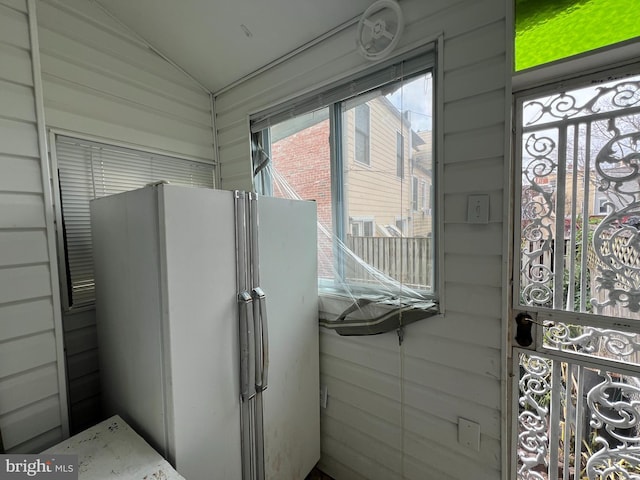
(220, 41)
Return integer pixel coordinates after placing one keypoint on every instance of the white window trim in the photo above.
(361, 222)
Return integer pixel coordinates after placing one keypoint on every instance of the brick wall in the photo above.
(304, 160)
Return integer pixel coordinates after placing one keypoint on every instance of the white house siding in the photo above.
(393, 411)
(102, 82)
(32, 402)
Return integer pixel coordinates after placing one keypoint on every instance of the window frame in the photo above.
(361, 223)
(420, 60)
(602, 205)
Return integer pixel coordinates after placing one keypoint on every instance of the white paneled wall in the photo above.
(102, 82)
(32, 402)
(393, 410)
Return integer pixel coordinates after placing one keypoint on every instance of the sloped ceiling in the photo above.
(221, 41)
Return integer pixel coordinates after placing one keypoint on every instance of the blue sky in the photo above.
(416, 97)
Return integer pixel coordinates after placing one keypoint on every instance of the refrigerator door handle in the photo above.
(262, 372)
(247, 389)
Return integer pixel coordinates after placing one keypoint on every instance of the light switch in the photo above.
(478, 209)
(469, 434)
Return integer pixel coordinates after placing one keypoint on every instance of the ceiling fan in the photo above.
(379, 29)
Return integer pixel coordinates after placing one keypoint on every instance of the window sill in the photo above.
(371, 314)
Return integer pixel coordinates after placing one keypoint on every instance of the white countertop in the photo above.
(112, 449)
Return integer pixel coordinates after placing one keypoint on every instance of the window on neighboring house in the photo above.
(425, 202)
(361, 227)
(602, 205)
(399, 155)
(414, 193)
(401, 225)
(88, 170)
(318, 153)
(362, 140)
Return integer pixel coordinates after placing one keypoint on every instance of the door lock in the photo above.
(524, 322)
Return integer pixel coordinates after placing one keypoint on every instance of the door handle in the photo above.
(247, 388)
(524, 323)
(262, 332)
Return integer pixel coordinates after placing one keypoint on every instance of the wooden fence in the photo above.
(407, 260)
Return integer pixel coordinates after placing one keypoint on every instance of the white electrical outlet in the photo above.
(324, 396)
(469, 434)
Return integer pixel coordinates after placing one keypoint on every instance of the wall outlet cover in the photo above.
(469, 434)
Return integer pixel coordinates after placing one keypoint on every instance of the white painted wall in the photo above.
(98, 81)
(32, 391)
(101, 81)
(393, 411)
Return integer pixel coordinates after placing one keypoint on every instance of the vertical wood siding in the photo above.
(393, 410)
(100, 81)
(31, 403)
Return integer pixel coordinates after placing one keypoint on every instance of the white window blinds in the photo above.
(387, 72)
(88, 170)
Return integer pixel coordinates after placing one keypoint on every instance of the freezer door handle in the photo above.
(262, 332)
(247, 389)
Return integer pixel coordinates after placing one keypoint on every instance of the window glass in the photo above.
(548, 30)
(366, 204)
(368, 228)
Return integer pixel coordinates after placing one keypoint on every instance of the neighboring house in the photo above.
(388, 177)
(385, 183)
(387, 186)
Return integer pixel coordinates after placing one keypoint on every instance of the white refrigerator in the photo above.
(207, 315)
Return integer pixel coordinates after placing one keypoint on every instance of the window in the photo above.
(401, 225)
(425, 202)
(361, 228)
(88, 170)
(399, 155)
(336, 146)
(414, 193)
(362, 144)
(548, 30)
(602, 205)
